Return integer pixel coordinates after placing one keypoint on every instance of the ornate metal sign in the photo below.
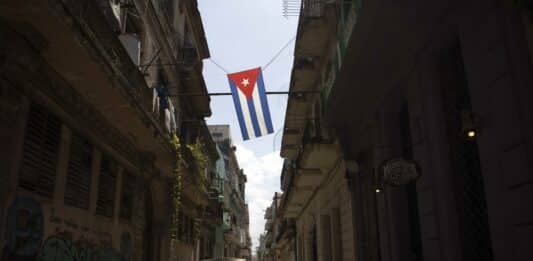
(398, 172)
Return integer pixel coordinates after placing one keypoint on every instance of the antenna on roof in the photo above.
(291, 8)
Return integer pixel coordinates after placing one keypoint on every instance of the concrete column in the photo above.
(62, 166)
(13, 146)
(97, 158)
(118, 192)
(336, 240)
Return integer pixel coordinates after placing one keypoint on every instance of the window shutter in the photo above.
(77, 191)
(126, 199)
(106, 187)
(40, 152)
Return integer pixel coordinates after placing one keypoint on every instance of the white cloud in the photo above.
(263, 173)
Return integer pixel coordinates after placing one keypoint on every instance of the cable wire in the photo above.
(278, 53)
(218, 65)
(266, 65)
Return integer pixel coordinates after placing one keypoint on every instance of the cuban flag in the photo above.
(251, 103)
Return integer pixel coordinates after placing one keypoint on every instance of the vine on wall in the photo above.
(201, 160)
(527, 5)
(176, 193)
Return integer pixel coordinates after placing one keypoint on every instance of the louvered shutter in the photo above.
(126, 199)
(77, 191)
(40, 152)
(106, 187)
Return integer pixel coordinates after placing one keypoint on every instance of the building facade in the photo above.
(278, 240)
(315, 220)
(90, 108)
(453, 104)
(237, 241)
(416, 145)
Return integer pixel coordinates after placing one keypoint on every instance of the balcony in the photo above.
(88, 57)
(287, 174)
(312, 8)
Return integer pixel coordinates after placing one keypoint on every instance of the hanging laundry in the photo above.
(251, 104)
(155, 102)
(173, 124)
(167, 120)
(162, 92)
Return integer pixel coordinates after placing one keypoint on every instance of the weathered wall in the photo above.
(330, 211)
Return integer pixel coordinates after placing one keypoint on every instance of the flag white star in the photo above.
(245, 82)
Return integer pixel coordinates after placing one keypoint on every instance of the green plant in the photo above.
(201, 160)
(176, 192)
(526, 4)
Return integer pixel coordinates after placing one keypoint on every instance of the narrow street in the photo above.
(286, 130)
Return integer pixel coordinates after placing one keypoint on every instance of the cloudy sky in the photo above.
(244, 34)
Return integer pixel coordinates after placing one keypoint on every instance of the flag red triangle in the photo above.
(245, 80)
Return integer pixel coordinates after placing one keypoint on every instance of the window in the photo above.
(181, 227)
(78, 188)
(336, 234)
(106, 187)
(186, 229)
(217, 134)
(325, 224)
(300, 250)
(40, 152)
(126, 199)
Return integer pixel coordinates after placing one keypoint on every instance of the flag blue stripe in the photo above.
(253, 115)
(264, 103)
(238, 109)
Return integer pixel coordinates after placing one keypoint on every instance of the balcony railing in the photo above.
(312, 8)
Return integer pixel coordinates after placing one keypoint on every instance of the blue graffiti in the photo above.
(24, 229)
(61, 249)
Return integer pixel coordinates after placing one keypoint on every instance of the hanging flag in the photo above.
(251, 103)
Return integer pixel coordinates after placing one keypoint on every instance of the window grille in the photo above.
(78, 187)
(467, 175)
(40, 152)
(106, 187)
(126, 199)
(415, 237)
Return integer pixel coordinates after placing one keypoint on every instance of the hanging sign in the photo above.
(251, 105)
(398, 172)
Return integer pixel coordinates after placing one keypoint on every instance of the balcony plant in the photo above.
(201, 160)
(176, 192)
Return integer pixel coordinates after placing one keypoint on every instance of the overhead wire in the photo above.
(278, 53)
(274, 57)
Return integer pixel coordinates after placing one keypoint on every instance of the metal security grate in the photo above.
(106, 187)
(470, 193)
(40, 152)
(77, 191)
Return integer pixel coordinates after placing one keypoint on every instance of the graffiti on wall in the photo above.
(56, 248)
(25, 238)
(24, 229)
